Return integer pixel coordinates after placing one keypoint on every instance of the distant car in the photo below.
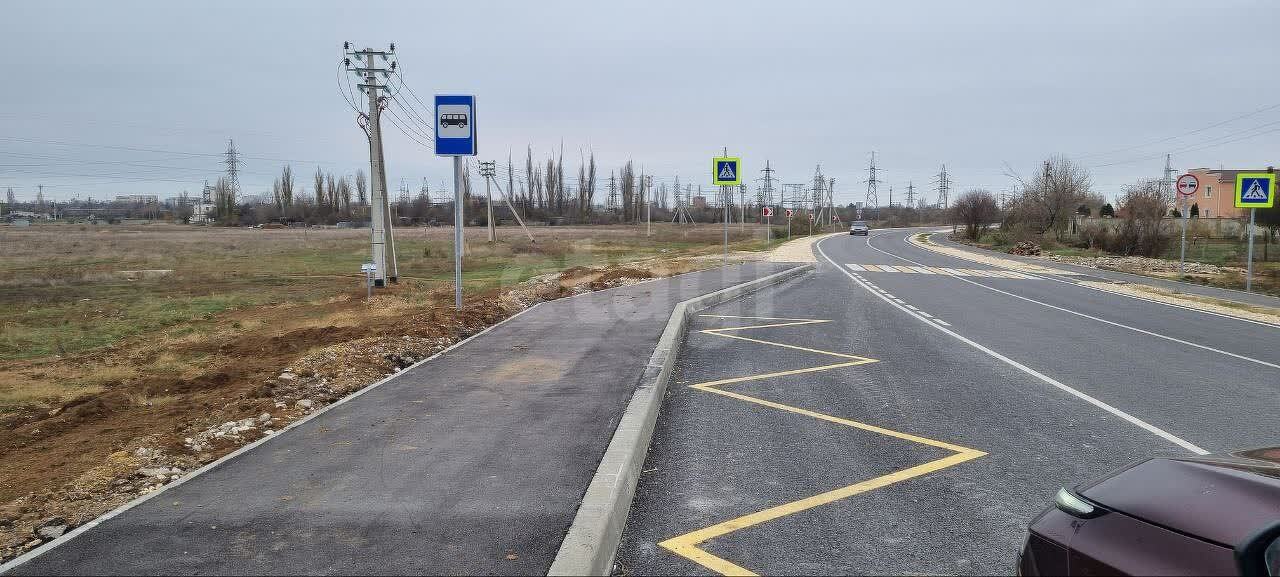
(1210, 515)
(459, 120)
(859, 227)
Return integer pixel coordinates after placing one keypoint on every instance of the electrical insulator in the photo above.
(346, 45)
(393, 46)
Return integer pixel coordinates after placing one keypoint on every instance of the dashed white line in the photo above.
(1098, 319)
(941, 326)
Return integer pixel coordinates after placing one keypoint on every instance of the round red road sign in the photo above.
(1188, 184)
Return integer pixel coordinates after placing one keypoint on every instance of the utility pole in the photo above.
(490, 175)
(831, 202)
(873, 199)
(488, 171)
(365, 68)
(944, 186)
(819, 182)
(647, 184)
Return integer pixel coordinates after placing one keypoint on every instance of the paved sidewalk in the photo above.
(474, 462)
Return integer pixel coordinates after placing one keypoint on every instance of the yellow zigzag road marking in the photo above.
(687, 545)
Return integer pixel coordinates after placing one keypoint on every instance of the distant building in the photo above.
(1216, 197)
(138, 198)
(28, 215)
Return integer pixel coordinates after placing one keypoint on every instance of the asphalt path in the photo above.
(474, 462)
(1021, 385)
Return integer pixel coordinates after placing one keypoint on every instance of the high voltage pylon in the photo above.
(766, 191)
(911, 195)
(613, 193)
(872, 200)
(944, 187)
(233, 162)
(366, 70)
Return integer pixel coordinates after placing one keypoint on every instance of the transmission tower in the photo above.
(613, 193)
(766, 192)
(232, 162)
(363, 64)
(911, 195)
(944, 186)
(872, 200)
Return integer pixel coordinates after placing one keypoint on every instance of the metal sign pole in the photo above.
(723, 192)
(1182, 266)
(1248, 279)
(457, 232)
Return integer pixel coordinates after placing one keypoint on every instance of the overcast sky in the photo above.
(107, 98)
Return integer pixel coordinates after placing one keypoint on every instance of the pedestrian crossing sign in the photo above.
(726, 171)
(1255, 190)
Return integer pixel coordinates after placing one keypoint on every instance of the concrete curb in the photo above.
(592, 541)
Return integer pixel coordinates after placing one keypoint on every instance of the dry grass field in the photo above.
(121, 340)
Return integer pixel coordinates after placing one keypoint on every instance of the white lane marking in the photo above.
(1140, 277)
(855, 267)
(941, 325)
(913, 308)
(942, 322)
(888, 295)
(923, 270)
(1101, 320)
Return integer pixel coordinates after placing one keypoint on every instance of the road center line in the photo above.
(1093, 318)
(1028, 370)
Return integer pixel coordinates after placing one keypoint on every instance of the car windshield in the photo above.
(583, 287)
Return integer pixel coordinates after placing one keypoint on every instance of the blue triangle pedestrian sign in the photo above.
(1255, 190)
(726, 171)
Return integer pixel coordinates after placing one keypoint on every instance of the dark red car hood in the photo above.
(1222, 498)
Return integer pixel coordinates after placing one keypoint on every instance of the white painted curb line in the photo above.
(593, 538)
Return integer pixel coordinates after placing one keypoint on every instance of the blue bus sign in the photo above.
(455, 125)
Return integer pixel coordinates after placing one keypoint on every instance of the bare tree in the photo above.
(1048, 201)
(550, 186)
(362, 196)
(344, 194)
(529, 178)
(286, 186)
(319, 184)
(975, 210)
(628, 191)
(1142, 208)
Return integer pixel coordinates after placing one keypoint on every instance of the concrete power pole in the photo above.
(819, 206)
(488, 171)
(367, 71)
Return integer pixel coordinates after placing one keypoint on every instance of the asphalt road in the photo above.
(928, 418)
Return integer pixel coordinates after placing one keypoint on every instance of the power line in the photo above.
(1175, 137)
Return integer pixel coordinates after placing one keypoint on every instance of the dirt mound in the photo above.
(1025, 248)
